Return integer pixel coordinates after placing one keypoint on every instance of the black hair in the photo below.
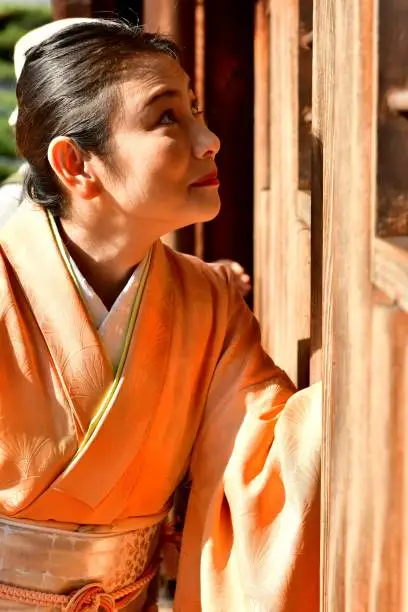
(69, 87)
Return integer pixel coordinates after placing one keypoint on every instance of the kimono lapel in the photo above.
(122, 425)
(82, 366)
(116, 413)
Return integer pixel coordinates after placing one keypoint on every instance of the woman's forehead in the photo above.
(158, 72)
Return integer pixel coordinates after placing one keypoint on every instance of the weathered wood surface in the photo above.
(365, 329)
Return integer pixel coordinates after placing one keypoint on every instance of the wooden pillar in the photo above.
(361, 166)
(261, 163)
(229, 100)
(322, 122)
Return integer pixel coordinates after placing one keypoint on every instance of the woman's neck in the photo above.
(106, 262)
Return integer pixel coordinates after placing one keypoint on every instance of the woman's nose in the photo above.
(205, 142)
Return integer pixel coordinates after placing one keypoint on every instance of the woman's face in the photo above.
(163, 151)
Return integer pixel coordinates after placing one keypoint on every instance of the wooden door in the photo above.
(360, 181)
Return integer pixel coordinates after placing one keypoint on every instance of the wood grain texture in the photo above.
(364, 329)
(387, 447)
(348, 232)
(322, 262)
(345, 133)
(287, 263)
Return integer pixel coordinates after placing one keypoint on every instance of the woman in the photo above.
(125, 365)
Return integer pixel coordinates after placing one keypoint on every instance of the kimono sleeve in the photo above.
(255, 476)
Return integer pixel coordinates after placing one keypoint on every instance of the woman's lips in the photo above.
(210, 180)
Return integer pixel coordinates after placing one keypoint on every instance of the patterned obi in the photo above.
(77, 571)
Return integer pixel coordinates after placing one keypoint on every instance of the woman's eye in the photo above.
(167, 118)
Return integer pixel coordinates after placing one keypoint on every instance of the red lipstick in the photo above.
(209, 180)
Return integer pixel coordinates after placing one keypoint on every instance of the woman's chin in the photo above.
(207, 208)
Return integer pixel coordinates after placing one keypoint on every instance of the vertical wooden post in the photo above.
(283, 83)
(229, 109)
(360, 158)
(261, 161)
(288, 217)
(199, 83)
(364, 364)
(322, 191)
(322, 125)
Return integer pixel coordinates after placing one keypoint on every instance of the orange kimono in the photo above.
(86, 451)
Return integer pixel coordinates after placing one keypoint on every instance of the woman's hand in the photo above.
(239, 277)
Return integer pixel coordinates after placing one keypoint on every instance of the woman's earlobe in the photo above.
(89, 186)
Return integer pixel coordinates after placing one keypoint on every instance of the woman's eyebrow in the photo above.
(166, 92)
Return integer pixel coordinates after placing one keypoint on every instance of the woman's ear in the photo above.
(72, 169)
